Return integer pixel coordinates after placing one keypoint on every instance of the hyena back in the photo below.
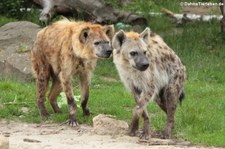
(63, 50)
(150, 70)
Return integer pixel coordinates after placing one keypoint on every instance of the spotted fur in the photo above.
(160, 78)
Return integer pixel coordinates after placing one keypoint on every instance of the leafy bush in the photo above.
(14, 8)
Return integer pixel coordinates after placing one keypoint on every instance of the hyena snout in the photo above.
(142, 63)
(105, 50)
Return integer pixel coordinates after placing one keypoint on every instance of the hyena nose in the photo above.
(109, 51)
(145, 66)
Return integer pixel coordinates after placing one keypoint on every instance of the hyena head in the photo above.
(98, 40)
(133, 48)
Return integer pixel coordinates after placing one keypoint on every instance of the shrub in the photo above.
(14, 8)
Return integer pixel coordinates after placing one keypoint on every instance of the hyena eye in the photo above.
(106, 42)
(145, 52)
(133, 53)
(97, 43)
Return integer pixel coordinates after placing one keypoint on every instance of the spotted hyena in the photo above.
(63, 50)
(150, 70)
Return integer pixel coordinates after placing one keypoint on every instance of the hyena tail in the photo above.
(182, 95)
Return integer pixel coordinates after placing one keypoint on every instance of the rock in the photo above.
(104, 125)
(25, 110)
(16, 39)
(4, 142)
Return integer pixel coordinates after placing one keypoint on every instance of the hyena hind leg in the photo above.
(171, 104)
(54, 92)
(41, 87)
(161, 101)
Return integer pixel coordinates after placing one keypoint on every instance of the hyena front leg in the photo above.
(66, 82)
(135, 124)
(135, 120)
(41, 87)
(171, 103)
(54, 92)
(84, 86)
(146, 128)
(139, 110)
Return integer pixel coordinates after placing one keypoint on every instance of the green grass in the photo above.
(4, 20)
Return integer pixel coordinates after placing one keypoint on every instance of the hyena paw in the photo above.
(145, 136)
(86, 112)
(165, 135)
(45, 114)
(132, 132)
(73, 122)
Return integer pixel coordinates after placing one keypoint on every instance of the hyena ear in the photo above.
(118, 39)
(145, 35)
(109, 30)
(84, 34)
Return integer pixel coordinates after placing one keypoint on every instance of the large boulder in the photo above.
(106, 125)
(16, 39)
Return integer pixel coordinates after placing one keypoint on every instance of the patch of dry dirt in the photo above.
(55, 136)
(201, 10)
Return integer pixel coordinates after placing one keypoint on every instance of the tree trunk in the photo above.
(222, 8)
(96, 11)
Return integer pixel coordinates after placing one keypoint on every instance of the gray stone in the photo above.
(16, 40)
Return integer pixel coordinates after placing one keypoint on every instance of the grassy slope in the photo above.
(201, 117)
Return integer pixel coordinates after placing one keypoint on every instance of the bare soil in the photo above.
(201, 10)
(56, 136)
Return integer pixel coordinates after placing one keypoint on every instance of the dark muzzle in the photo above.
(142, 63)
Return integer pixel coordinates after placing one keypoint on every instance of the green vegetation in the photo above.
(200, 119)
(4, 20)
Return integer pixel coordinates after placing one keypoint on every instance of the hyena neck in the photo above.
(133, 78)
(83, 64)
(86, 58)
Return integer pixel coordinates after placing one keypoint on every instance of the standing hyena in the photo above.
(63, 50)
(150, 70)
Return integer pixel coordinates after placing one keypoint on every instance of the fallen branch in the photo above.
(95, 10)
(222, 8)
(184, 18)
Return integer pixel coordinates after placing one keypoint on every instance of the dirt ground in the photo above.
(56, 136)
(201, 10)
